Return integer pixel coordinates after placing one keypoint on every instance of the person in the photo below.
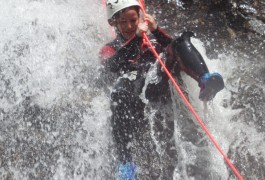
(127, 60)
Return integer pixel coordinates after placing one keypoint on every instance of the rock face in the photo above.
(235, 27)
(55, 121)
(220, 22)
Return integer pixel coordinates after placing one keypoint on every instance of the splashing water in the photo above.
(53, 125)
(55, 121)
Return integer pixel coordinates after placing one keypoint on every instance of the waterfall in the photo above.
(55, 119)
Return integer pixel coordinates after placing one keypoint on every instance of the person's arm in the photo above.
(114, 60)
(162, 37)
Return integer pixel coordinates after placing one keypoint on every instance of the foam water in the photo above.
(54, 122)
(54, 119)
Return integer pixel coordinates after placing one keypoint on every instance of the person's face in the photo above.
(127, 23)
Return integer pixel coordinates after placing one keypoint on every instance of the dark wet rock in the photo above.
(222, 25)
(36, 138)
(37, 141)
(250, 164)
(235, 26)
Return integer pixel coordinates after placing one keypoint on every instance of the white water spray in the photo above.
(55, 123)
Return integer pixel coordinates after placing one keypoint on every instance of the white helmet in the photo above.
(114, 6)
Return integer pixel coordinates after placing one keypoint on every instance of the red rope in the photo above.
(192, 110)
(187, 102)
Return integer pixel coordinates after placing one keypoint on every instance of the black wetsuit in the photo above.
(131, 62)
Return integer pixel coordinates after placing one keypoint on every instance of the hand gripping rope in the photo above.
(186, 100)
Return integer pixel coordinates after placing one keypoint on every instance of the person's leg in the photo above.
(121, 100)
(191, 61)
(127, 118)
